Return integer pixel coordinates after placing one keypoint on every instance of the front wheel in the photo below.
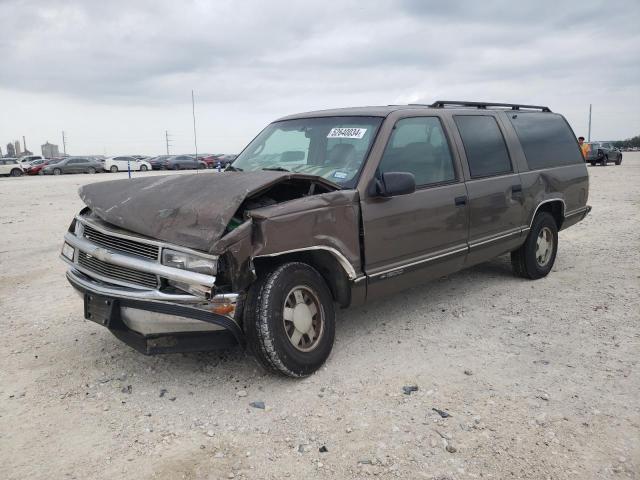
(57, 171)
(605, 160)
(143, 168)
(619, 160)
(289, 320)
(113, 169)
(16, 172)
(535, 258)
(91, 170)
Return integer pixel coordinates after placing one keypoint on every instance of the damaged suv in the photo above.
(323, 209)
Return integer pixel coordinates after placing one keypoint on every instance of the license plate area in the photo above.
(100, 309)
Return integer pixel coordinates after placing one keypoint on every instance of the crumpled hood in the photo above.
(188, 210)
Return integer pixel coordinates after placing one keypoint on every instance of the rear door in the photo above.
(496, 201)
(422, 235)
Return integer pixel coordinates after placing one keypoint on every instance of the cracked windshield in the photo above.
(334, 147)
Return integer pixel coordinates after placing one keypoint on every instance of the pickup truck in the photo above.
(322, 210)
(602, 153)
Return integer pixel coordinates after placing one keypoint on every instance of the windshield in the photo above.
(331, 147)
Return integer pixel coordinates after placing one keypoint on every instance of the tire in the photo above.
(269, 323)
(619, 160)
(176, 167)
(57, 171)
(113, 169)
(528, 261)
(91, 170)
(16, 172)
(202, 166)
(605, 160)
(143, 168)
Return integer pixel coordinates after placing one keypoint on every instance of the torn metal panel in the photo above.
(189, 210)
(327, 221)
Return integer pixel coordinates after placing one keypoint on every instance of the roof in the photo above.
(383, 111)
(372, 111)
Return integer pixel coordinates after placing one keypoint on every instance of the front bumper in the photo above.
(153, 327)
(146, 314)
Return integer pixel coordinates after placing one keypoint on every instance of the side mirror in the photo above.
(392, 184)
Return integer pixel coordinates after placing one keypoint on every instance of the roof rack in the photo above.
(484, 105)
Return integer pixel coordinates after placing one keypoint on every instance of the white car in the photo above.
(122, 164)
(11, 167)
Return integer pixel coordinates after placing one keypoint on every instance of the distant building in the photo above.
(11, 150)
(18, 150)
(49, 150)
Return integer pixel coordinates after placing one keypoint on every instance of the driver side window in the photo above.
(418, 145)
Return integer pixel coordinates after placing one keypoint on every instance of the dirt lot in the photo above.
(540, 378)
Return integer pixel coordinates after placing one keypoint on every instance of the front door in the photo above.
(422, 235)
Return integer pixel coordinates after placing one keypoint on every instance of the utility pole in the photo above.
(589, 134)
(64, 143)
(195, 138)
(166, 138)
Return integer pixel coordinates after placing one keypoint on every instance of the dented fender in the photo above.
(328, 222)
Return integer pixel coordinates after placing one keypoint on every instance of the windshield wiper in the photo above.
(276, 169)
(231, 168)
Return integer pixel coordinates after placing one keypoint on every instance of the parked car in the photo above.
(73, 165)
(27, 159)
(183, 162)
(122, 164)
(345, 206)
(219, 160)
(11, 167)
(35, 167)
(157, 163)
(603, 153)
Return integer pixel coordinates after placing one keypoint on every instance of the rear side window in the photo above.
(418, 145)
(546, 139)
(484, 145)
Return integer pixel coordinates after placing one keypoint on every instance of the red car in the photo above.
(35, 166)
(212, 161)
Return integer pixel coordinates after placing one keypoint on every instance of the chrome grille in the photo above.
(121, 244)
(116, 272)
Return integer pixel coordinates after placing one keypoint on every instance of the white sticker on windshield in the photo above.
(342, 175)
(347, 133)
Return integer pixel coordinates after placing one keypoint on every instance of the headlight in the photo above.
(68, 251)
(78, 229)
(186, 261)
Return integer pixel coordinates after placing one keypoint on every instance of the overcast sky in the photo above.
(114, 75)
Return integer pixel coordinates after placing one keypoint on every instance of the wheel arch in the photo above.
(555, 206)
(329, 263)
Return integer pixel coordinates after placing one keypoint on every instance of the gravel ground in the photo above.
(540, 379)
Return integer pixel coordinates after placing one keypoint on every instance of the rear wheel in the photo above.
(114, 169)
(16, 172)
(535, 258)
(289, 320)
(202, 166)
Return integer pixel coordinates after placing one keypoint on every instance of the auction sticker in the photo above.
(347, 133)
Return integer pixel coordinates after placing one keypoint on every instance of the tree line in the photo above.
(628, 143)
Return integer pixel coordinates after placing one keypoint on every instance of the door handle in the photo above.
(516, 188)
(460, 201)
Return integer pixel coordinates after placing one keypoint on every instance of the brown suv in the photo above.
(327, 208)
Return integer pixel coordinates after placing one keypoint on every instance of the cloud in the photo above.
(279, 57)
